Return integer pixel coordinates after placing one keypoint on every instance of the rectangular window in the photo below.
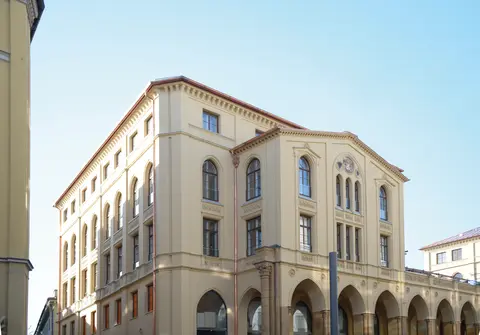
(149, 126)
(150, 298)
(384, 250)
(210, 238)
(72, 328)
(84, 325)
(347, 243)
(210, 122)
(150, 242)
(339, 241)
(72, 290)
(65, 215)
(107, 268)
(133, 142)
(84, 195)
(118, 158)
(135, 304)
(441, 257)
(93, 321)
(106, 316)
(64, 295)
(73, 206)
(305, 233)
(119, 261)
(258, 132)
(64, 330)
(457, 254)
(118, 311)
(357, 244)
(84, 283)
(106, 171)
(94, 184)
(136, 253)
(254, 235)
(94, 276)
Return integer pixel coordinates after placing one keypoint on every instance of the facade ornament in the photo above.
(375, 284)
(323, 276)
(265, 269)
(397, 288)
(363, 283)
(407, 289)
(427, 293)
(349, 165)
(291, 272)
(289, 310)
(307, 146)
(235, 160)
(339, 165)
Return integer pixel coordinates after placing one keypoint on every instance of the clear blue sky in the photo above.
(404, 77)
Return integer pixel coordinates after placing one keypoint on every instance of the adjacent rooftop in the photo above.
(473, 233)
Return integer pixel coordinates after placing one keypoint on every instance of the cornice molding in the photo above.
(277, 131)
(24, 261)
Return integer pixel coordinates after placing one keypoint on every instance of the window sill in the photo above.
(385, 221)
(252, 200)
(211, 202)
(306, 197)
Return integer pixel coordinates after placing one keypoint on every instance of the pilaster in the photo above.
(265, 271)
(368, 323)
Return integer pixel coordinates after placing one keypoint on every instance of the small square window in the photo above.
(65, 214)
(149, 125)
(73, 207)
(94, 184)
(133, 142)
(118, 158)
(441, 257)
(457, 254)
(106, 169)
(84, 195)
(210, 122)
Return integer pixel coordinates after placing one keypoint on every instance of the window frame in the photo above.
(210, 174)
(106, 170)
(132, 142)
(150, 243)
(383, 199)
(305, 234)
(93, 322)
(136, 251)
(119, 261)
(338, 191)
(84, 287)
(357, 196)
(357, 244)
(108, 268)
(119, 215)
(384, 256)
(116, 159)
(457, 254)
(443, 257)
(348, 202)
(210, 237)
(304, 177)
(84, 195)
(93, 184)
(106, 316)
(348, 255)
(208, 125)
(150, 189)
(149, 125)
(254, 228)
(150, 298)
(253, 180)
(118, 312)
(339, 241)
(134, 304)
(135, 198)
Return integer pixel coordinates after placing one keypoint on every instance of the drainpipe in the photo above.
(154, 256)
(60, 291)
(236, 161)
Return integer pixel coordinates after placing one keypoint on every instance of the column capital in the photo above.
(264, 268)
(235, 160)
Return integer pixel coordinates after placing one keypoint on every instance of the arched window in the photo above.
(94, 232)
(383, 204)
(211, 315)
(302, 320)
(338, 192)
(254, 188)
(84, 240)
(342, 322)
(210, 181)
(65, 256)
(304, 177)
(74, 250)
(150, 186)
(458, 276)
(108, 222)
(347, 193)
(254, 317)
(357, 196)
(135, 197)
(119, 212)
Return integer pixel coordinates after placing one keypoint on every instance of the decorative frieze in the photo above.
(252, 207)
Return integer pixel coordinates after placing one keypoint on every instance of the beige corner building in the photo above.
(457, 256)
(18, 22)
(202, 214)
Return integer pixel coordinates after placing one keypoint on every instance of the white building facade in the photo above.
(457, 256)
